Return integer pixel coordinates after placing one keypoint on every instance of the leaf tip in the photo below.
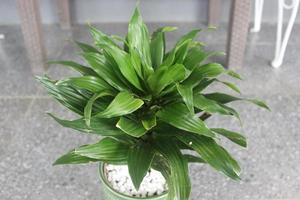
(212, 28)
(55, 163)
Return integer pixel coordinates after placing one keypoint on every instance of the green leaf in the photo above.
(179, 116)
(90, 83)
(233, 136)
(133, 128)
(99, 63)
(211, 106)
(107, 149)
(160, 164)
(164, 76)
(259, 103)
(221, 97)
(138, 38)
(73, 158)
(226, 98)
(158, 46)
(180, 185)
(182, 52)
(123, 104)
(119, 39)
(203, 84)
(189, 36)
(215, 53)
(193, 159)
(213, 154)
(169, 58)
(124, 62)
(140, 157)
(103, 127)
(86, 47)
(89, 105)
(177, 54)
(179, 51)
(136, 62)
(234, 74)
(210, 70)
(101, 38)
(195, 56)
(186, 93)
(149, 121)
(78, 67)
(65, 94)
(231, 86)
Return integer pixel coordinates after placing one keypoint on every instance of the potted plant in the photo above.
(149, 107)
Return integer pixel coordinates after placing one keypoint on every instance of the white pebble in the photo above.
(119, 179)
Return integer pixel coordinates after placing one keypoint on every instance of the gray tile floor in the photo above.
(30, 141)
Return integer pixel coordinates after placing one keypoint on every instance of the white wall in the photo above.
(120, 11)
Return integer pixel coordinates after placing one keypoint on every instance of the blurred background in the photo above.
(35, 31)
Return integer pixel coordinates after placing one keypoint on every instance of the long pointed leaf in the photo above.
(195, 56)
(179, 176)
(89, 106)
(188, 36)
(186, 93)
(103, 127)
(231, 135)
(158, 46)
(107, 149)
(133, 128)
(136, 62)
(140, 157)
(138, 38)
(226, 98)
(164, 76)
(181, 46)
(86, 47)
(210, 70)
(90, 83)
(213, 154)
(104, 70)
(203, 84)
(234, 74)
(160, 164)
(193, 159)
(101, 38)
(124, 62)
(179, 116)
(123, 104)
(78, 67)
(211, 106)
(231, 86)
(65, 94)
(182, 52)
(73, 158)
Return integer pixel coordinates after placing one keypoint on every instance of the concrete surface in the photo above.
(103, 11)
(30, 141)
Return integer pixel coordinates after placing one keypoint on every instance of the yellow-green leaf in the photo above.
(131, 127)
(124, 103)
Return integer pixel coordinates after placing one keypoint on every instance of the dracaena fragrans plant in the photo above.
(148, 105)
